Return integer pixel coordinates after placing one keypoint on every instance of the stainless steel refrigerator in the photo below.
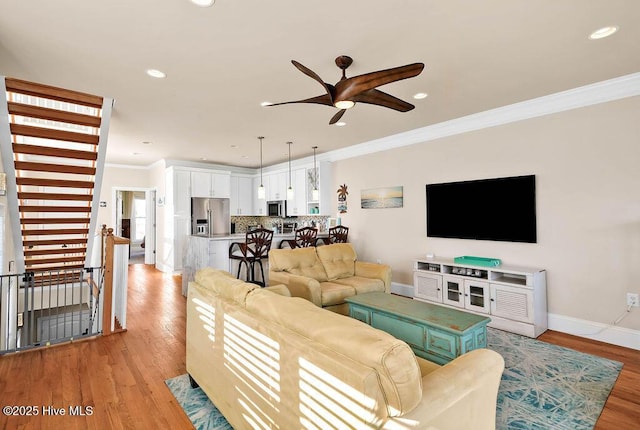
(210, 216)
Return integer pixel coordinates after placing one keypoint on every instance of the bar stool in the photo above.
(337, 234)
(255, 247)
(304, 238)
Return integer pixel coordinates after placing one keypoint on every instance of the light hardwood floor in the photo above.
(122, 376)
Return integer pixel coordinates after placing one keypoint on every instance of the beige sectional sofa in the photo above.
(326, 275)
(267, 360)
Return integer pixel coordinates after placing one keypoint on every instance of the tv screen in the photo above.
(502, 209)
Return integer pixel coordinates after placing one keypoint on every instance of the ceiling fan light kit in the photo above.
(344, 104)
(359, 89)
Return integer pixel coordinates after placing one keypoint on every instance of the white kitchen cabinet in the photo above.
(259, 205)
(210, 184)
(241, 200)
(276, 185)
(514, 297)
(298, 204)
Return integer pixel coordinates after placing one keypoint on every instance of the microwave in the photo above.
(277, 208)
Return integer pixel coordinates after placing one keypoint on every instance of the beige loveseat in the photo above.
(271, 361)
(327, 275)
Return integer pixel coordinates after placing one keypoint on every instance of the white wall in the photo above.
(119, 177)
(587, 167)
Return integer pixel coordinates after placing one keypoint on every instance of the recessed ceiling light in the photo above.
(419, 96)
(135, 153)
(146, 142)
(156, 73)
(341, 124)
(263, 104)
(203, 3)
(603, 32)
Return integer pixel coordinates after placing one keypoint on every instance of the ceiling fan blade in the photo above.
(337, 116)
(307, 71)
(346, 89)
(380, 98)
(324, 99)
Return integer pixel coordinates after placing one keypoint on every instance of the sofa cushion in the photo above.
(298, 261)
(392, 359)
(224, 284)
(333, 293)
(338, 259)
(362, 285)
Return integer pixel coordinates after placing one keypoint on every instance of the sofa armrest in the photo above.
(279, 289)
(298, 286)
(376, 271)
(461, 394)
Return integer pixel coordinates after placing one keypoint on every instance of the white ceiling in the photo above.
(222, 62)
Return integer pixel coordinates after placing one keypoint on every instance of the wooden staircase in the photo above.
(56, 139)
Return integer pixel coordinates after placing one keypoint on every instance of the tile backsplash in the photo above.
(243, 222)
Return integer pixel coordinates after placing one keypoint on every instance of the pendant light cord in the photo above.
(260, 137)
(289, 143)
(315, 168)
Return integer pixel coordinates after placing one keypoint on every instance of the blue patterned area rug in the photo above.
(543, 387)
(546, 386)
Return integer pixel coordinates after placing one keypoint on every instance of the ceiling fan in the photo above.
(359, 89)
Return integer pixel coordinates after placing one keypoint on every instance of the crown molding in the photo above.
(592, 94)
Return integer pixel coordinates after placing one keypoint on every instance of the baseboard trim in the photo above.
(607, 333)
(402, 289)
(620, 336)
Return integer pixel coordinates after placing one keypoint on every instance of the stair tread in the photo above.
(53, 114)
(55, 196)
(54, 168)
(61, 183)
(39, 261)
(54, 231)
(56, 268)
(54, 220)
(79, 241)
(51, 92)
(50, 151)
(83, 209)
(54, 251)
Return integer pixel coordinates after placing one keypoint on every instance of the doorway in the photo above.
(135, 219)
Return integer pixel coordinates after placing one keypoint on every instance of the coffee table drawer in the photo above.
(360, 313)
(442, 343)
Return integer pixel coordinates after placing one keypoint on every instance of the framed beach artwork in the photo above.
(378, 198)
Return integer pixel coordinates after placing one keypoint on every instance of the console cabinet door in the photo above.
(476, 296)
(453, 291)
(428, 286)
(512, 302)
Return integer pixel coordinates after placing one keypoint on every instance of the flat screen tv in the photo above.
(501, 209)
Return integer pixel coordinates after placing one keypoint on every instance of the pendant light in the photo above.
(290, 193)
(315, 194)
(261, 193)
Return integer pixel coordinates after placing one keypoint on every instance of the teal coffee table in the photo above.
(435, 333)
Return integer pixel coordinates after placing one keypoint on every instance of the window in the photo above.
(140, 218)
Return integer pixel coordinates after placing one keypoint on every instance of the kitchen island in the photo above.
(213, 251)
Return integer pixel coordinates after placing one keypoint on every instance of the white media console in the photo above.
(515, 298)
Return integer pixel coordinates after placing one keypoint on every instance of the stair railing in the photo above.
(115, 261)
